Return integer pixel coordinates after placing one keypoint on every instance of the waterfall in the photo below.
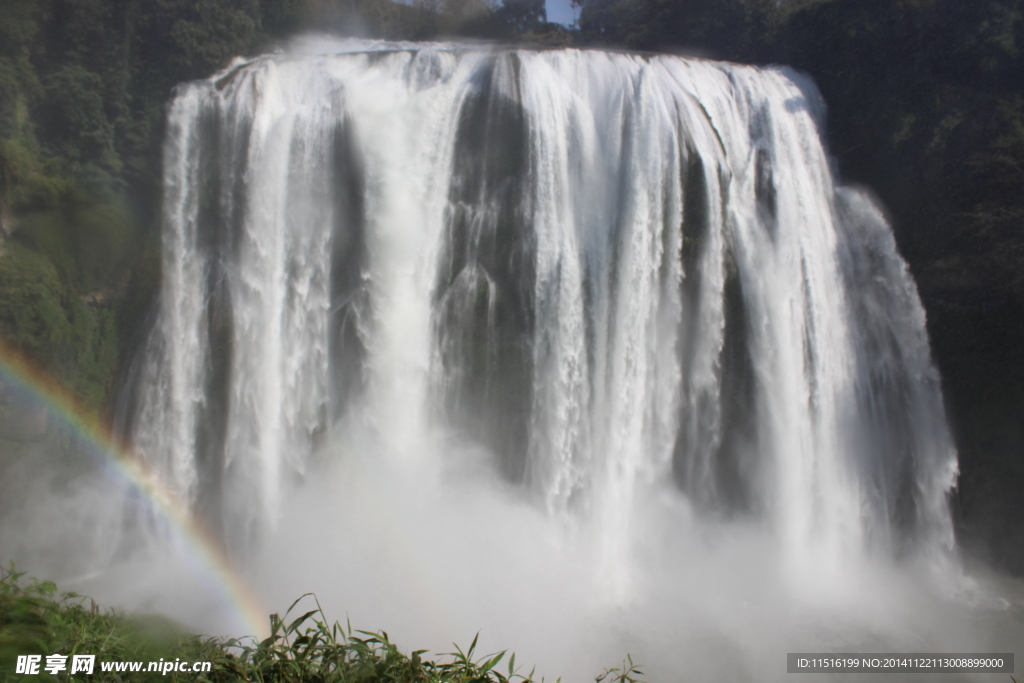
(612, 276)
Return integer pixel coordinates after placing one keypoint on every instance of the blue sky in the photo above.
(560, 12)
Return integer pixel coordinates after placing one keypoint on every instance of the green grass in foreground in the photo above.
(36, 619)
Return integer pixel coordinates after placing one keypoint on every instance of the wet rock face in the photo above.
(977, 335)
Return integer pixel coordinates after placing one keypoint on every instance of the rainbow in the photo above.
(88, 424)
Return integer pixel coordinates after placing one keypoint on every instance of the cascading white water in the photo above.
(620, 278)
(623, 215)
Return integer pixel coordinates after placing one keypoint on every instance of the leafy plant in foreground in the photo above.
(34, 618)
(308, 649)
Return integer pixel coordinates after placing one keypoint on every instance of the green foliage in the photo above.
(38, 316)
(31, 313)
(187, 39)
(628, 673)
(34, 618)
(17, 82)
(306, 648)
(76, 112)
(711, 26)
(18, 25)
(522, 21)
(281, 17)
(88, 240)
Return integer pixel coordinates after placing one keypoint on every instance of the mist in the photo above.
(587, 353)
